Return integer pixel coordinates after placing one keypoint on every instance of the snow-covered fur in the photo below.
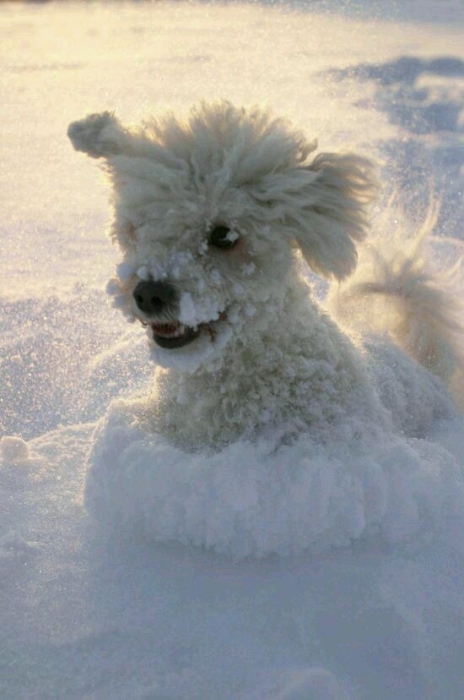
(270, 428)
(214, 211)
(396, 291)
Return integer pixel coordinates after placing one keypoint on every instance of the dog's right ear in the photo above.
(100, 136)
(334, 206)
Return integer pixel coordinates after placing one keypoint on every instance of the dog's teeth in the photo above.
(174, 330)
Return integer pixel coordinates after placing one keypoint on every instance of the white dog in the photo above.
(212, 215)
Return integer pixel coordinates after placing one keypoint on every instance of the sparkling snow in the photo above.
(341, 578)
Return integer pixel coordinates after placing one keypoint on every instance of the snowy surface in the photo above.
(88, 614)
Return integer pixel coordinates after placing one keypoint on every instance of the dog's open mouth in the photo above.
(177, 334)
(173, 335)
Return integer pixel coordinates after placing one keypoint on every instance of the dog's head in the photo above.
(208, 213)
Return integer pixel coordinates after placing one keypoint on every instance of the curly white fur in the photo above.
(266, 355)
(395, 290)
(261, 359)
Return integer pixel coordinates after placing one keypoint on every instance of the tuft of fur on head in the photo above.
(396, 291)
(233, 163)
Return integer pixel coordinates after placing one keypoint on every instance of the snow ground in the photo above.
(89, 616)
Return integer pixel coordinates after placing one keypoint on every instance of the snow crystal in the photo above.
(187, 313)
(125, 270)
(143, 274)
(248, 268)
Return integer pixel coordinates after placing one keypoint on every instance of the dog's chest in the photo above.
(258, 387)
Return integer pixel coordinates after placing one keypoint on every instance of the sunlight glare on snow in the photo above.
(60, 62)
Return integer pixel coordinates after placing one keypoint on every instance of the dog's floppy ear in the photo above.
(99, 135)
(334, 217)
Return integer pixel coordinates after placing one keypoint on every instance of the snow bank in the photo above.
(256, 499)
(14, 450)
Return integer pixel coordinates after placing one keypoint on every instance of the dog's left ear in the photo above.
(100, 135)
(335, 195)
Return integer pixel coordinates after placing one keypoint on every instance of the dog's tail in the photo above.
(396, 290)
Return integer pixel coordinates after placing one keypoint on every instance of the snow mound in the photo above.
(254, 499)
(13, 450)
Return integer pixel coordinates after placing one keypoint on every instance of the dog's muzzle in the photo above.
(156, 299)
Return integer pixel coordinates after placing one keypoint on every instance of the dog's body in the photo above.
(212, 215)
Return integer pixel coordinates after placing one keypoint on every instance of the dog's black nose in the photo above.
(153, 297)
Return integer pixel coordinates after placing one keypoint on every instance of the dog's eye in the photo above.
(223, 237)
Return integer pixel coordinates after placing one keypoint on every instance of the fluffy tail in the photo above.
(396, 291)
